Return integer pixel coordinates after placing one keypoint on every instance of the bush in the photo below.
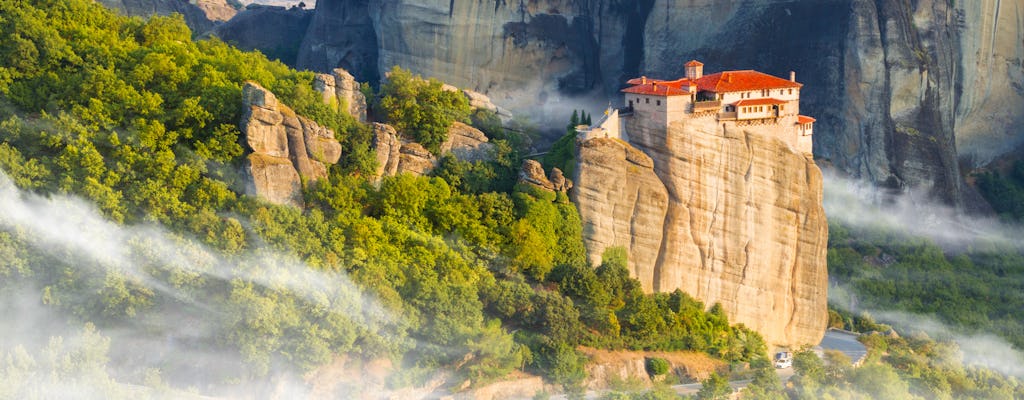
(656, 366)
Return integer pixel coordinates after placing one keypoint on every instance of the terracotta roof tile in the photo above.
(803, 119)
(694, 63)
(736, 81)
(656, 89)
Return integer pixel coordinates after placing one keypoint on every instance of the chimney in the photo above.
(728, 78)
(792, 76)
(643, 80)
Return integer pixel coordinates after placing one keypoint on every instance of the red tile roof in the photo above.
(657, 89)
(803, 119)
(758, 102)
(694, 63)
(737, 81)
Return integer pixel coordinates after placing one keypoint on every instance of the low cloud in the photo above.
(983, 349)
(860, 204)
(72, 230)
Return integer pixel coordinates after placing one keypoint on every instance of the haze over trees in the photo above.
(467, 271)
(481, 278)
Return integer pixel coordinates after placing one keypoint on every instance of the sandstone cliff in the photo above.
(287, 149)
(729, 216)
(903, 91)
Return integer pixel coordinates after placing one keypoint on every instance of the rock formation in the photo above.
(903, 91)
(533, 174)
(730, 217)
(467, 143)
(340, 88)
(396, 154)
(287, 149)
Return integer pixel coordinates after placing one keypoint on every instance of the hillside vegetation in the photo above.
(141, 121)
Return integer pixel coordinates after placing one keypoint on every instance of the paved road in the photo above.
(845, 342)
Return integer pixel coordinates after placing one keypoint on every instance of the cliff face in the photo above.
(898, 87)
(729, 216)
(275, 31)
(201, 15)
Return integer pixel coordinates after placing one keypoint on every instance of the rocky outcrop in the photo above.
(728, 216)
(532, 174)
(396, 154)
(340, 88)
(287, 149)
(608, 368)
(467, 143)
(906, 90)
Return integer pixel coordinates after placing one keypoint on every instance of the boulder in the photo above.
(532, 173)
(467, 143)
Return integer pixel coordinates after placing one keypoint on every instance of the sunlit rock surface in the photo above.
(728, 216)
(286, 148)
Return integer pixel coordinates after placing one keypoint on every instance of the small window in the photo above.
(659, 102)
(790, 91)
(631, 104)
(782, 107)
(647, 101)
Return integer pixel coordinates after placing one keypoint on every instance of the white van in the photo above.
(783, 359)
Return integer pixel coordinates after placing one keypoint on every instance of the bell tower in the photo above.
(694, 70)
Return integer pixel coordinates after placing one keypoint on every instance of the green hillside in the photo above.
(141, 121)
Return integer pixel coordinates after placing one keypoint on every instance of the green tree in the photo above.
(716, 387)
(421, 108)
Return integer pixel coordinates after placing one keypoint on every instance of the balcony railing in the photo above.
(712, 105)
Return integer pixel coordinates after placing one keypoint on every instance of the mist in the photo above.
(144, 347)
(860, 204)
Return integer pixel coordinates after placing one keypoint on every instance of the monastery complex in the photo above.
(748, 100)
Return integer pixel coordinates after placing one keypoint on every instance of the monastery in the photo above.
(747, 99)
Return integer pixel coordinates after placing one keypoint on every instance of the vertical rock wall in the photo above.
(903, 91)
(727, 215)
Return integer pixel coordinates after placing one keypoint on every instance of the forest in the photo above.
(473, 274)
(131, 258)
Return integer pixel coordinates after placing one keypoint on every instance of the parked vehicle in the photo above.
(783, 359)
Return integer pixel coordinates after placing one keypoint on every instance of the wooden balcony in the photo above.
(727, 116)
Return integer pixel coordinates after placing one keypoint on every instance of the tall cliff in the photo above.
(727, 215)
(904, 90)
(200, 15)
